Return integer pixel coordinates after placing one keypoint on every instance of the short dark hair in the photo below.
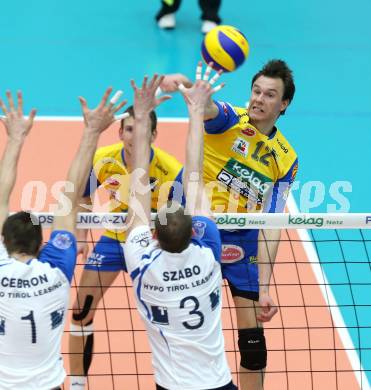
(174, 235)
(278, 69)
(22, 234)
(152, 117)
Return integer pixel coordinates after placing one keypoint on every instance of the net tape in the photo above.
(116, 221)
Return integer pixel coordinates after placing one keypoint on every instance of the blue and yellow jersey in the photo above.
(246, 170)
(109, 170)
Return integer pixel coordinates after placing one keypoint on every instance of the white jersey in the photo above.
(33, 305)
(179, 298)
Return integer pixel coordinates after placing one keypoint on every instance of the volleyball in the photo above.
(226, 47)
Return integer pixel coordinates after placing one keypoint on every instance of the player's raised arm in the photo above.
(145, 101)
(17, 128)
(197, 98)
(96, 121)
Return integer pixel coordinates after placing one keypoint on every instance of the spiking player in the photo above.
(251, 166)
(184, 323)
(111, 166)
(34, 284)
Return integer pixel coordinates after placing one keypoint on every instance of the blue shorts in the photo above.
(239, 257)
(107, 256)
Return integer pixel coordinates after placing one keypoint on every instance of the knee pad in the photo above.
(82, 330)
(85, 309)
(253, 350)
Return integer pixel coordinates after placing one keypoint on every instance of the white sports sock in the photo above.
(77, 382)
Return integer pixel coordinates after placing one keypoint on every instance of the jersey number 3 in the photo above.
(193, 311)
(214, 302)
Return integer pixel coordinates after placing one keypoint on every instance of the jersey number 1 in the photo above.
(30, 317)
(56, 318)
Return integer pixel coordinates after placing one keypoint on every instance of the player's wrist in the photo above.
(196, 110)
(16, 140)
(93, 130)
(264, 290)
(142, 116)
(90, 138)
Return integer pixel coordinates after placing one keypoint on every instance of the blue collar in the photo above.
(273, 133)
(123, 155)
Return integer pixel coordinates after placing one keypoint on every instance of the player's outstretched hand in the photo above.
(101, 117)
(267, 308)
(170, 82)
(145, 99)
(198, 95)
(17, 126)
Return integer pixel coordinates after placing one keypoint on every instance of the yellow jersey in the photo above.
(110, 171)
(245, 170)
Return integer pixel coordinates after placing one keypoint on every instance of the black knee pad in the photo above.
(85, 309)
(253, 350)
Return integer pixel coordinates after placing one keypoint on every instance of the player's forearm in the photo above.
(268, 242)
(211, 110)
(142, 142)
(81, 165)
(140, 193)
(8, 168)
(194, 150)
(84, 206)
(197, 201)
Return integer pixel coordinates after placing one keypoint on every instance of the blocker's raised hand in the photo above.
(145, 99)
(17, 126)
(202, 89)
(101, 117)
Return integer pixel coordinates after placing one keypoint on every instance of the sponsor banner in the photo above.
(240, 221)
(234, 220)
(294, 221)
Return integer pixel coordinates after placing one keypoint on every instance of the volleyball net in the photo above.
(321, 283)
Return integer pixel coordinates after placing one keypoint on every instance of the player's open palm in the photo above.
(145, 99)
(17, 126)
(101, 117)
(200, 92)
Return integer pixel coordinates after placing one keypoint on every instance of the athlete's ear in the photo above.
(193, 234)
(154, 135)
(284, 104)
(121, 130)
(154, 234)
